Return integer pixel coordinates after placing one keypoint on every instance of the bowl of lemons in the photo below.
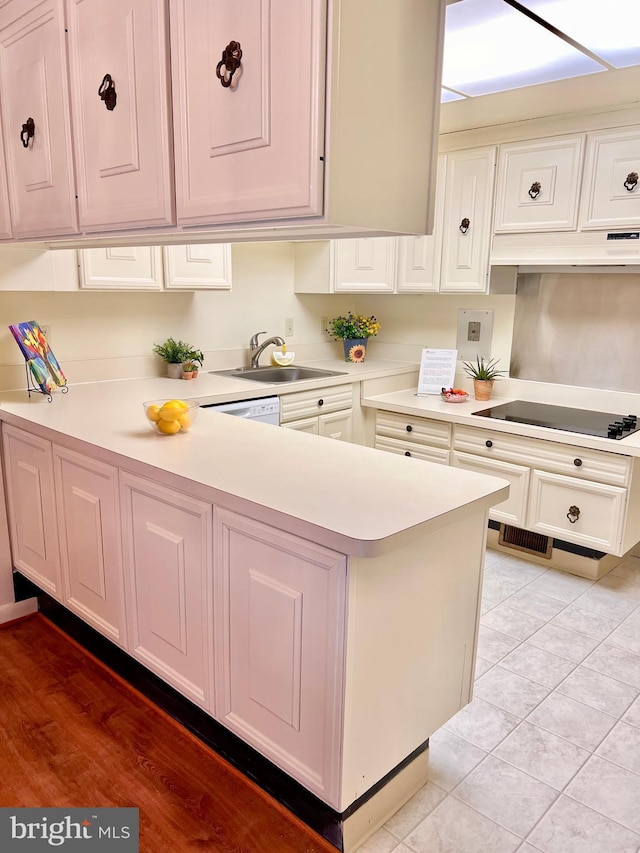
(170, 417)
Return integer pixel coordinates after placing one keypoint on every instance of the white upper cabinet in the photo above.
(466, 228)
(5, 216)
(35, 119)
(537, 186)
(118, 68)
(201, 266)
(367, 265)
(611, 195)
(121, 268)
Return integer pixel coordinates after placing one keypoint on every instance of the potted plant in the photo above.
(484, 373)
(189, 368)
(174, 353)
(192, 363)
(354, 331)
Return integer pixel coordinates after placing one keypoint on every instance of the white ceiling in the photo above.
(495, 45)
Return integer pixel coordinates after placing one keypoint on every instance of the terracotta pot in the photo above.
(187, 374)
(482, 388)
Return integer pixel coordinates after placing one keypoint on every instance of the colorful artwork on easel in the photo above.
(40, 359)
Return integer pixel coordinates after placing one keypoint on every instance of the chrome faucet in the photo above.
(256, 349)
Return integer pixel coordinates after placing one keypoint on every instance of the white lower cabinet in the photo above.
(279, 616)
(419, 438)
(577, 510)
(90, 542)
(327, 411)
(514, 509)
(167, 557)
(33, 525)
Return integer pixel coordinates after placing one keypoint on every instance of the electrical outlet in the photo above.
(288, 327)
(473, 333)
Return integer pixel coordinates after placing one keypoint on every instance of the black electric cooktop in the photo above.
(603, 424)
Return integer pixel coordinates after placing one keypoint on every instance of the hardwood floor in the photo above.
(74, 734)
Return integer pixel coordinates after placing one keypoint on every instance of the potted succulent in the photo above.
(174, 353)
(354, 331)
(192, 363)
(484, 373)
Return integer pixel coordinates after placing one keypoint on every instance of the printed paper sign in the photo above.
(437, 370)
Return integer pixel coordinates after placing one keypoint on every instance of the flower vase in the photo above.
(355, 349)
(482, 388)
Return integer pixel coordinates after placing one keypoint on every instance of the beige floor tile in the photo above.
(627, 636)
(577, 723)
(617, 663)
(563, 643)
(482, 666)
(493, 646)
(609, 790)
(632, 716)
(542, 754)
(506, 795)
(451, 758)
(570, 827)
(606, 602)
(560, 585)
(453, 827)
(482, 724)
(538, 665)
(584, 622)
(598, 690)
(512, 622)
(381, 841)
(622, 746)
(415, 810)
(510, 691)
(536, 604)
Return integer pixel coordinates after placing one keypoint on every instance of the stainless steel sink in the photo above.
(277, 374)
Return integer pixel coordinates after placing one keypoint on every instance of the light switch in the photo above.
(474, 331)
(475, 334)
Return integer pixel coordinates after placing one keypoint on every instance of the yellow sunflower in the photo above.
(357, 353)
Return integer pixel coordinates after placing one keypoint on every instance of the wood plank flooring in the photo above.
(73, 734)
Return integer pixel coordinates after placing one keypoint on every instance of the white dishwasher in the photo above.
(264, 409)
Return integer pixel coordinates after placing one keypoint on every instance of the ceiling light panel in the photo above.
(609, 28)
(490, 47)
(450, 96)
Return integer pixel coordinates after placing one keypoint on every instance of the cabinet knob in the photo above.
(409, 428)
(577, 463)
(229, 64)
(574, 514)
(107, 92)
(407, 453)
(321, 402)
(465, 225)
(489, 443)
(534, 189)
(632, 181)
(28, 132)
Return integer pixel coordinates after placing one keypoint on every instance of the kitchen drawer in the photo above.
(413, 449)
(295, 407)
(413, 429)
(514, 509)
(565, 459)
(598, 511)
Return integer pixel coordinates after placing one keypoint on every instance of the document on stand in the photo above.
(437, 370)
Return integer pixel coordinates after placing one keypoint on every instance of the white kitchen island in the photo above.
(317, 599)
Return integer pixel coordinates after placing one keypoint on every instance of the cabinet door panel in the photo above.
(601, 511)
(33, 522)
(199, 266)
(468, 196)
(33, 84)
(167, 563)
(419, 257)
(337, 425)
(251, 150)
(309, 425)
(121, 268)
(122, 154)
(279, 615)
(365, 265)
(90, 543)
(514, 509)
(612, 157)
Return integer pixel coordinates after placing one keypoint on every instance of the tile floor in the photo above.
(547, 756)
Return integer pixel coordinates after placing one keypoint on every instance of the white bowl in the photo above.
(283, 359)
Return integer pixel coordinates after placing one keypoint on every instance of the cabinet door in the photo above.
(90, 543)
(33, 523)
(309, 425)
(279, 616)
(201, 266)
(167, 557)
(122, 154)
(514, 509)
(538, 185)
(467, 221)
(366, 265)
(250, 150)
(412, 449)
(338, 425)
(5, 216)
(598, 521)
(122, 268)
(611, 194)
(33, 86)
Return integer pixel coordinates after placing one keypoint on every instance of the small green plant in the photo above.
(353, 326)
(483, 370)
(189, 366)
(177, 352)
(195, 357)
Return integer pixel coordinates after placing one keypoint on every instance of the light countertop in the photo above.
(354, 499)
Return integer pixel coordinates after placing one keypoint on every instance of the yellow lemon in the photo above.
(153, 413)
(168, 427)
(178, 404)
(171, 411)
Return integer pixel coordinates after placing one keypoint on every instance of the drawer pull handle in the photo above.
(229, 64)
(28, 132)
(409, 428)
(534, 189)
(407, 453)
(107, 92)
(577, 463)
(632, 181)
(489, 443)
(574, 514)
(464, 225)
(321, 402)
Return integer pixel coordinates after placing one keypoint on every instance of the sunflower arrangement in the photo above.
(353, 327)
